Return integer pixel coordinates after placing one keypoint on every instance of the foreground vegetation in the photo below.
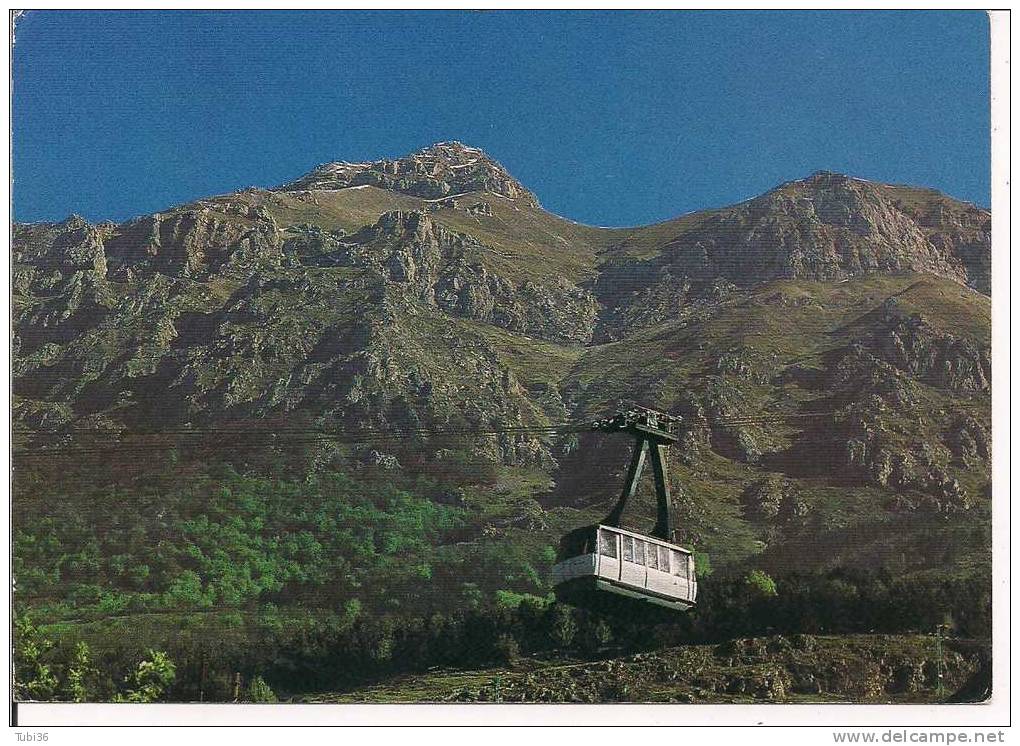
(258, 658)
(276, 599)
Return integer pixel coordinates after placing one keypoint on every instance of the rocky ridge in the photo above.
(827, 227)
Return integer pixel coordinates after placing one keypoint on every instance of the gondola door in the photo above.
(632, 568)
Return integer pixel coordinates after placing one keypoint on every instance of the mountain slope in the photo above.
(799, 334)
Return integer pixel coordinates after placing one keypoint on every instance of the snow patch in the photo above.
(448, 196)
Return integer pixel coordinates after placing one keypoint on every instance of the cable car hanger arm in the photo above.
(653, 432)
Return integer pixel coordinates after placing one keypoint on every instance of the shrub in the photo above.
(595, 634)
(259, 692)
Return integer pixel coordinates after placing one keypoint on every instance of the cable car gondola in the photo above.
(612, 569)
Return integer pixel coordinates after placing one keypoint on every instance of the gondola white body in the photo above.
(629, 564)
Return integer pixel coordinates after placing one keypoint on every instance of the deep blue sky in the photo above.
(611, 118)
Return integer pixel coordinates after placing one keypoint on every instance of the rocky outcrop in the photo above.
(944, 360)
(747, 363)
(969, 441)
(953, 228)
(879, 398)
(64, 267)
(198, 241)
(734, 429)
(45, 254)
(773, 499)
(447, 270)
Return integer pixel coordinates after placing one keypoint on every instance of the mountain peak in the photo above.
(826, 175)
(824, 179)
(440, 170)
(452, 149)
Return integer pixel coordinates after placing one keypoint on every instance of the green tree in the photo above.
(562, 627)
(259, 692)
(760, 583)
(82, 676)
(33, 677)
(508, 651)
(150, 680)
(702, 564)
